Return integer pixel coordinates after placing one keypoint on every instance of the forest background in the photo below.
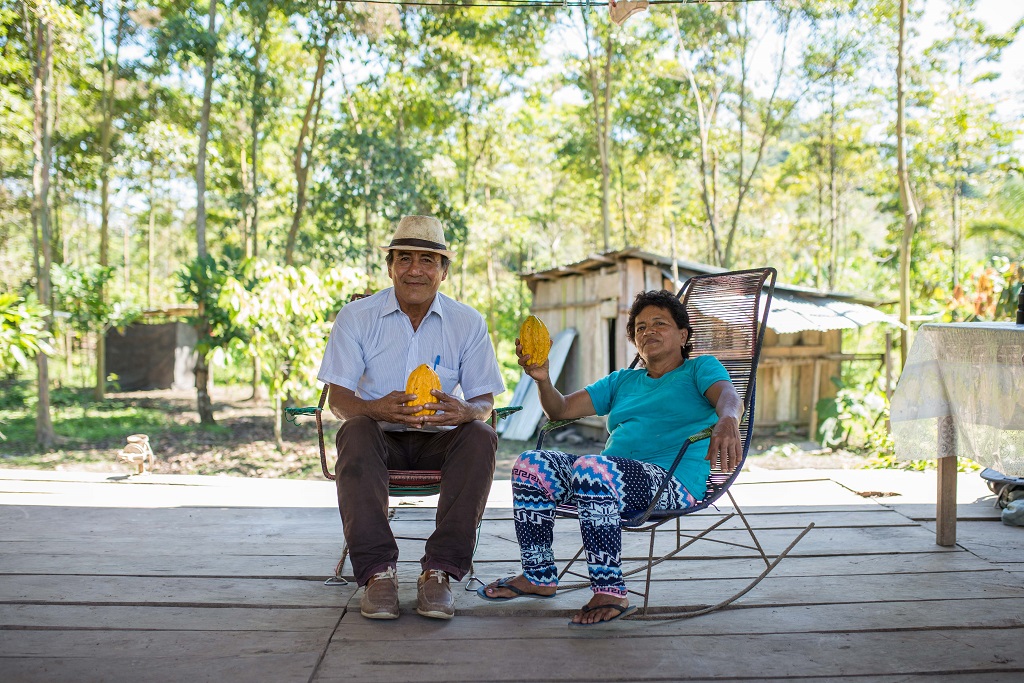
(247, 158)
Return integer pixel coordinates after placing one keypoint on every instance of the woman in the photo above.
(651, 410)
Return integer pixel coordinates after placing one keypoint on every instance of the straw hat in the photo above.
(420, 233)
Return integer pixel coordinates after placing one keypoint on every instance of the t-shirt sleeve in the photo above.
(709, 370)
(343, 358)
(602, 391)
(479, 373)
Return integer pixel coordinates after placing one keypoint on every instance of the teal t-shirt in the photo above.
(649, 419)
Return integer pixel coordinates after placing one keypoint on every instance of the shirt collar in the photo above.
(390, 305)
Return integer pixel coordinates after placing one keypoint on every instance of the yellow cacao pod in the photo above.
(535, 340)
(420, 382)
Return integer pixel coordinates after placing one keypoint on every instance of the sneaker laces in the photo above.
(388, 573)
(438, 574)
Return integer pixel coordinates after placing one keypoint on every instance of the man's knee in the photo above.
(481, 432)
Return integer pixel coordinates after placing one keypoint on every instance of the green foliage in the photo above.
(855, 419)
(285, 311)
(79, 292)
(203, 281)
(23, 333)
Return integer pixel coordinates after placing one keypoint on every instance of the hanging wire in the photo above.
(537, 3)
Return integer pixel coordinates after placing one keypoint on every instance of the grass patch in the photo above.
(100, 425)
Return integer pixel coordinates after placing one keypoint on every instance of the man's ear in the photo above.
(444, 273)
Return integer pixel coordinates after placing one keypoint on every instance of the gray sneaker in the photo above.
(380, 596)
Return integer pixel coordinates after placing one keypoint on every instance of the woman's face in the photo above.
(656, 335)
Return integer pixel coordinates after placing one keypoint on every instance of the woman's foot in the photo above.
(502, 588)
(600, 609)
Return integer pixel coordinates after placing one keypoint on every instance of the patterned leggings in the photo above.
(601, 487)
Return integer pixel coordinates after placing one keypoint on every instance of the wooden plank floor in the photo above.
(164, 578)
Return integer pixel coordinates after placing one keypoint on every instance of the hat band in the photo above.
(413, 242)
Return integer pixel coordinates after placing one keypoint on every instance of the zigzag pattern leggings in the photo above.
(601, 487)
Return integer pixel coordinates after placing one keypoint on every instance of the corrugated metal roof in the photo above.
(794, 314)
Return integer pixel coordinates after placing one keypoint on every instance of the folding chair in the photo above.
(728, 313)
(401, 483)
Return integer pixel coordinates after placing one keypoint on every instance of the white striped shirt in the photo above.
(373, 348)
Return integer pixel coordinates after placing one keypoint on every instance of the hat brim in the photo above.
(407, 247)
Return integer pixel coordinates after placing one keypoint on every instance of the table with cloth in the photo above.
(961, 393)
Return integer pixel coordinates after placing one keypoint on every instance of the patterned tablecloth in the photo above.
(962, 393)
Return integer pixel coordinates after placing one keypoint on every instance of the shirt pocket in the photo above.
(449, 379)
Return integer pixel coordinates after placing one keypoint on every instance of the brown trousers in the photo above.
(465, 456)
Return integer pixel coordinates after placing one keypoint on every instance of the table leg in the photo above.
(945, 501)
(945, 507)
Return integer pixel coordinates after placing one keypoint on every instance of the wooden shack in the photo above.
(802, 348)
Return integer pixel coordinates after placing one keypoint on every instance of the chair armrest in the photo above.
(646, 514)
(293, 414)
(550, 426)
(502, 413)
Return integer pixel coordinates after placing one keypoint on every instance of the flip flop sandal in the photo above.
(623, 611)
(504, 583)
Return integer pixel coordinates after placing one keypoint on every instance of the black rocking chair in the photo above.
(728, 313)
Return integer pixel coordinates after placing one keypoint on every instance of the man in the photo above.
(374, 345)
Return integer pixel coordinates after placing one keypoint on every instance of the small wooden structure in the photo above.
(802, 348)
(155, 352)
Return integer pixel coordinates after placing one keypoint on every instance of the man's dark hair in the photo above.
(390, 259)
(662, 299)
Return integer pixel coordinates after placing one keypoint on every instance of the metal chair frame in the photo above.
(758, 286)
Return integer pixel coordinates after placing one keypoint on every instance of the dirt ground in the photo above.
(242, 443)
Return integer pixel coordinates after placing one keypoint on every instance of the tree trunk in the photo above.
(203, 403)
(277, 422)
(204, 134)
(108, 100)
(41, 145)
(303, 159)
(151, 232)
(256, 105)
(601, 124)
(907, 201)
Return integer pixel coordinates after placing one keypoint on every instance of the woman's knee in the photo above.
(594, 469)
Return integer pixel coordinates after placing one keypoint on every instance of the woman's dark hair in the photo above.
(662, 299)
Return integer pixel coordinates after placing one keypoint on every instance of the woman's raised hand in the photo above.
(539, 373)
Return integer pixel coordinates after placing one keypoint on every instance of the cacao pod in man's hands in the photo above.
(535, 340)
(420, 382)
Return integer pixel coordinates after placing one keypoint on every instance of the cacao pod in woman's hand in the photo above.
(420, 382)
(535, 340)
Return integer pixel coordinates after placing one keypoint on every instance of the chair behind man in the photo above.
(728, 313)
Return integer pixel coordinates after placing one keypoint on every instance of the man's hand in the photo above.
(393, 408)
(725, 449)
(538, 372)
(452, 411)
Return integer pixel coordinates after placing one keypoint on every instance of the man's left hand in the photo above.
(451, 411)
(726, 448)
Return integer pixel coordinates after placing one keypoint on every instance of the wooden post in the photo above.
(812, 427)
(945, 504)
(888, 376)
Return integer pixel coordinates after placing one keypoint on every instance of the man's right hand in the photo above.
(539, 373)
(392, 408)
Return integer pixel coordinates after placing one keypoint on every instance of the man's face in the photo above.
(416, 275)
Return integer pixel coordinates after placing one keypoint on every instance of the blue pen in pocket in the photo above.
(436, 361)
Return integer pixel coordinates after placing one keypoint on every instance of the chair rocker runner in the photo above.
(401, 483)
(728, 313)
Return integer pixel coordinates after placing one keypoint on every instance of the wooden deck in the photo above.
(170, 578)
